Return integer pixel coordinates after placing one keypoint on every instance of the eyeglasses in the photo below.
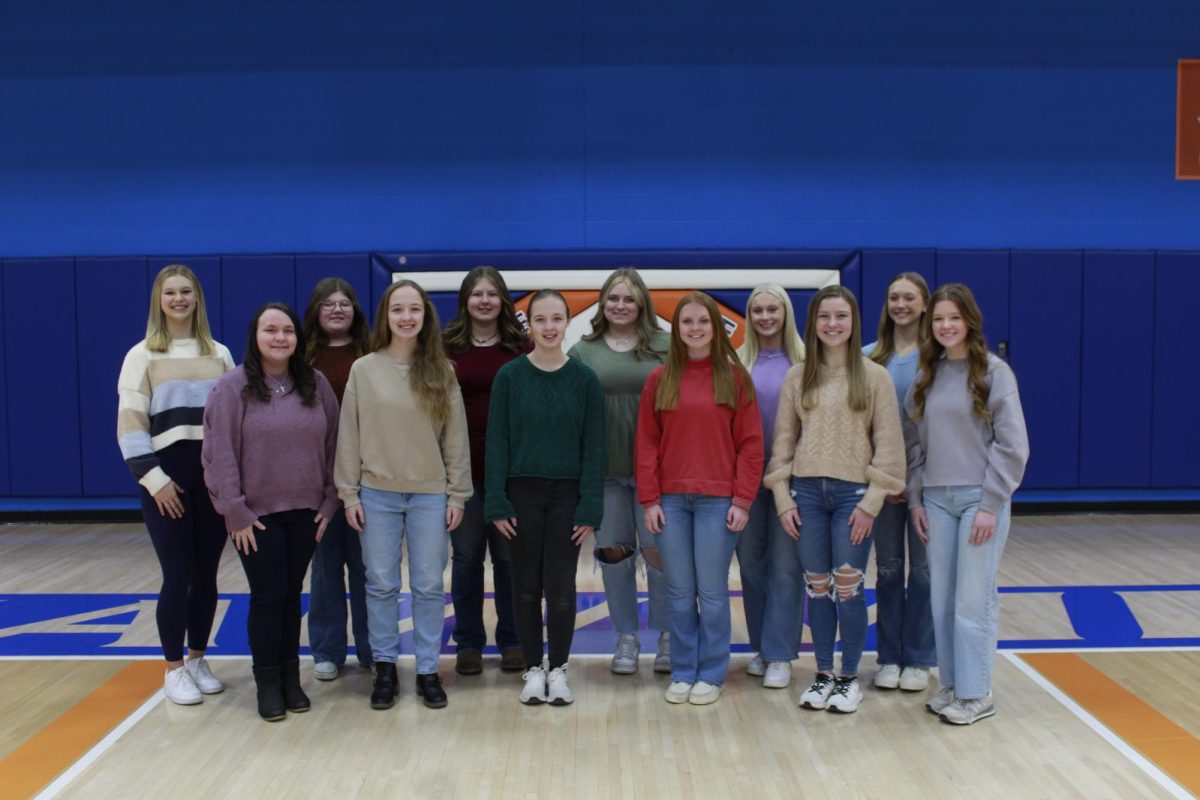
(330, 305)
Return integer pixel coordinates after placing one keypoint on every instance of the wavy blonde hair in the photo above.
(431, 374)
(647, 321)
(158, 337)
(977, 352)
(792, 344)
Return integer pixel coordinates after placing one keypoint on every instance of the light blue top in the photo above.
(903, 370)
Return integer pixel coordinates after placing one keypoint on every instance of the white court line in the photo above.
(1153, 772)
(93, 755)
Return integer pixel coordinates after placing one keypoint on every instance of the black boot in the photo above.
(385, 691)
(429, 687)
(294, 697)
(270, 694)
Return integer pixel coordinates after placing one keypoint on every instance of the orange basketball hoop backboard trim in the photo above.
(1187, 121)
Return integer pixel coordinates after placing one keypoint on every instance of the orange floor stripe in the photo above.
(1174, 750)
(33, 765)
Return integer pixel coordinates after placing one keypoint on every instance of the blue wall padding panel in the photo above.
(105, 285)
(878, 269)
(247, 283)
(41, 351)
(5, 486)
(986, 273)
(1176, 442)
(354, 268)
(208, 272)
(1045, 354)
(1118, 370)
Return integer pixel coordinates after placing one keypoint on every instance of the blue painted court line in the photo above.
(33, 625)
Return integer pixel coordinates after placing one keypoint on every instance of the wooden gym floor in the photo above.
(1095, 688)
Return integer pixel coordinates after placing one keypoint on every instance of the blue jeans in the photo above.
(697, 549)
(966, 605)
(903, 622)
(771, 581)
(470, 541)
(825, 505)
(624, 526)
(338, 553)
(421, 518)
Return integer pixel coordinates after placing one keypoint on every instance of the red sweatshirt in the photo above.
(699, 447)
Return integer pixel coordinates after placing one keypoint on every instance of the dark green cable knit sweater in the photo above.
(545, 425)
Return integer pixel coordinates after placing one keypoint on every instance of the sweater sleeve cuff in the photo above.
(783, 497)
(743, 503)
(240, 518)
(330, 507)
(155, 480)
(992, 502)
(872, 501)
(457, 501)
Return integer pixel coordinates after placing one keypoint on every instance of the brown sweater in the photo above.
(832, 441)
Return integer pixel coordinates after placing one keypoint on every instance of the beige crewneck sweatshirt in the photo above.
(832, 441)
(386, 441)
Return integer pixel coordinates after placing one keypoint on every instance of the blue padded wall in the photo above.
(1176, 441)
(5, 485)
(110, 293)
(247, 282)
(1118, 370)
(1045, 354)
(41, 355)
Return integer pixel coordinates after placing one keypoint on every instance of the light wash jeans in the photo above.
(697, 550)
(391, 517)
(624, 526)
(903, 623)
(825, 505)
(771, 583)
(966, 605)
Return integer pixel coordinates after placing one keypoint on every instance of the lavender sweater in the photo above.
(260, 458)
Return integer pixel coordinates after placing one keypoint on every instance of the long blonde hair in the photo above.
(885, 340)
(856, 373)
(792, 344)
(647, 321)
(725, 362)
(977, 352)
(158, 337)
(431, 374)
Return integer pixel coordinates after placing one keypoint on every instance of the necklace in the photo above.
(485, 341)
(279, 386)
(620, 343)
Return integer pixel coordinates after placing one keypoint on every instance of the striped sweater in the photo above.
(161, 400)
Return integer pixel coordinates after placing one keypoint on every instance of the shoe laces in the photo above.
(820, 682)
(627, 648)
(841, 686)
(201, 667)
(533, 673)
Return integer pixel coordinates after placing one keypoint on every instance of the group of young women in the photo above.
(674, 450)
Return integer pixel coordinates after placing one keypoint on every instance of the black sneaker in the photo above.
(383, 694)
(429, 687)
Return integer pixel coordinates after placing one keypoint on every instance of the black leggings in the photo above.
(189, 552)
(543, 563)
(275, 572)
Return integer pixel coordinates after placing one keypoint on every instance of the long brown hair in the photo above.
(458, 333)
(315, 334)
(647, 320)
(431, 374)
(158, 338)
(977, 352)
(856, 373)
(885, 340)
(725, 363)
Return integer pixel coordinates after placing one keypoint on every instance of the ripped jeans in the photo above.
(825, 505)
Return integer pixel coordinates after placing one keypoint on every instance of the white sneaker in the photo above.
(914, 679)
(678, 692)
(325, 671)
(558, 693)
(625, 659)
(845, 697)
(778, 675)
(202, 676)
(534, 691)
(816, 696)
(888, 676)
(756, 667)
(179, 687)
(940, 701)
(965, 712)
(662, 659)
(704, 693)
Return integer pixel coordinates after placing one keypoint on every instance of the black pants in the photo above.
(543, 564)
(189, 552)
(276, 575)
